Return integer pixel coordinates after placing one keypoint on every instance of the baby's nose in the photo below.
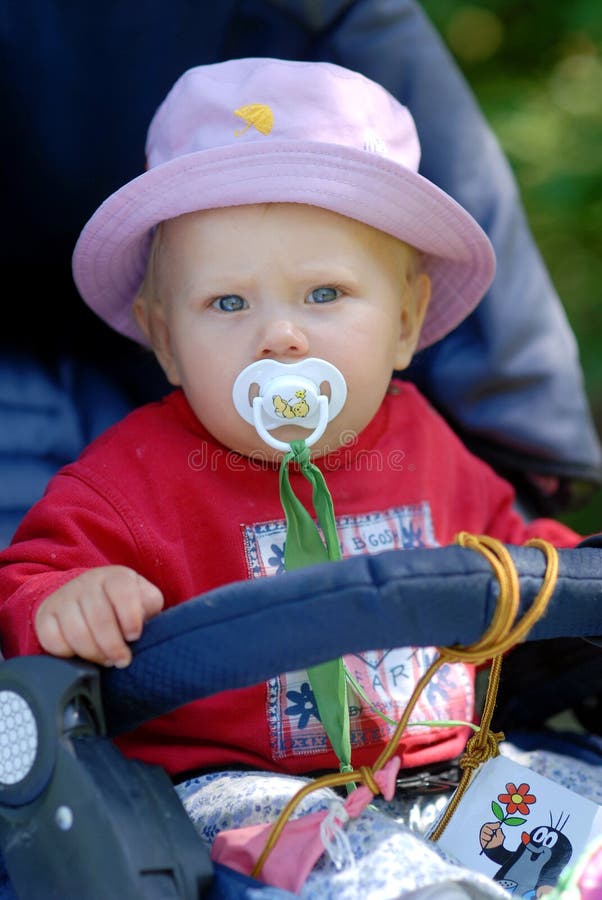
(282, 338)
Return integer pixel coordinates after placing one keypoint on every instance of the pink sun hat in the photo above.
(267, 130)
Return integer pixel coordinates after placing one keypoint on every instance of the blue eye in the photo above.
(323, 295)
(230, 303)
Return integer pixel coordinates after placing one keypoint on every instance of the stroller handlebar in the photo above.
(418, 597)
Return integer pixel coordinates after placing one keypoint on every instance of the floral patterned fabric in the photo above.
(390, 857)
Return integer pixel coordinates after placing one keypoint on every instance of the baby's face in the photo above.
(283, 282)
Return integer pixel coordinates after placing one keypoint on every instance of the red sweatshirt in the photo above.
(158, 494)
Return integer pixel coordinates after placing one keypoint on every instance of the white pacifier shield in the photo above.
(289, 394)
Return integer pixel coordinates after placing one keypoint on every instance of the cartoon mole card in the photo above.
(520, 828)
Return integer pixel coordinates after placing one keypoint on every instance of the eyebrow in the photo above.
(317, 273)
(325, 271)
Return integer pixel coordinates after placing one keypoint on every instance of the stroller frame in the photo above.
(80, 810)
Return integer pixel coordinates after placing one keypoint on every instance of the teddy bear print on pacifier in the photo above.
(269, 394)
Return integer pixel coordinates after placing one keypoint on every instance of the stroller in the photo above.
(71, 762)
(79, 820)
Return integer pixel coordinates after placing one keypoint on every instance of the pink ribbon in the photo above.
(300, 845)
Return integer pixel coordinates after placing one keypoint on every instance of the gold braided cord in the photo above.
(480, 747)
(484, 744)
(501, 634)
(368, 778)
(391, 746)
(545, 593)
(504, 570)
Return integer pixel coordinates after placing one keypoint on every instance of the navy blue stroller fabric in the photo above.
(420, 597)
(6, 891)
(80, 84)
(230, 885)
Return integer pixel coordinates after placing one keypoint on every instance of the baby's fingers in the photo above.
(152, 598)
(133, 599)
(96, 613)
(50, 635)
(104, 625)
(66, 633)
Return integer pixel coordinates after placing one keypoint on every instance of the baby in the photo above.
(281, 218)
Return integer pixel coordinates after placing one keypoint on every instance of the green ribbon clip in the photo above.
(304, 547)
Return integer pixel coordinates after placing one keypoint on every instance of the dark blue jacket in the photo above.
(80, 83)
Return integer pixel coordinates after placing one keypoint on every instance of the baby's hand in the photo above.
(94, 614)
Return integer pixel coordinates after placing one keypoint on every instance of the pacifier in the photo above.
(269, 394)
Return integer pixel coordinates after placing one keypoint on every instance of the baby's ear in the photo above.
(150, 316)
(414, 304)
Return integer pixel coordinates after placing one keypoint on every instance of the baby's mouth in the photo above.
(307, 394)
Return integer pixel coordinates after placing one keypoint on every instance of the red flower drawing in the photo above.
(517, 799)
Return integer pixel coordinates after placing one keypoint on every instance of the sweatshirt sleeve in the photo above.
(466, 493)
(73, 528)
(506, 523)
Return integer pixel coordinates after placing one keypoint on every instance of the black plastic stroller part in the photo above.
(69, 798)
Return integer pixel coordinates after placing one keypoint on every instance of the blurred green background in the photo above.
(536, 69)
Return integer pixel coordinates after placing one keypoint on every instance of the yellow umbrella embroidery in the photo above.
(256, 115)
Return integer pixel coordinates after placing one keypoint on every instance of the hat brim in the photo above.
(111, 254)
